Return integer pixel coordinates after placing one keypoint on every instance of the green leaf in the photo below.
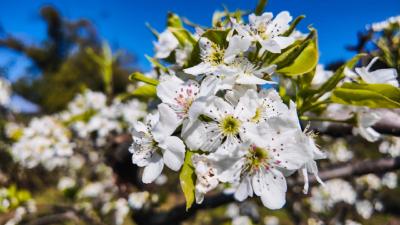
(156, 64)
(187, 179)
(137, 76)
(173, 20)
(300, 59)
(145, 91)
(293, 25)
(370, 95)
(183, 36)
(260, 7)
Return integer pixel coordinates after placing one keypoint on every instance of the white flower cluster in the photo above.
(5, 92)
(45, 141)
(239, 133)
(383, 25)
(88, 113)
(334, 191)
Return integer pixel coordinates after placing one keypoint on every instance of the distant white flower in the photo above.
(92, 190)
(232, 210)
(5, 92)
(161, 180)
(151, 149)
(380, 26)
(323, 198)
(65, 183)
(271, 220)
(241, 220)
(390, 180)
(45, 141)
(366, 118)
(132, 111)
(381, 76)
(390, 145)
(166, 43)
(121, 211)
(339, 151)
(137, 200)
(370, 180)
(364, 208)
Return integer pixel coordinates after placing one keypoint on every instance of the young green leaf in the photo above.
(300, 60)
(371, 95)
(187, 180)
(173, 20)
(137, 76)
(145, 91)
(260, 7)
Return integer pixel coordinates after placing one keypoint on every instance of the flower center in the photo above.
(216, 56)
(256, 158)
(230, 125)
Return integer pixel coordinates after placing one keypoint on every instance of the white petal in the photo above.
(386, 76)
(274, 196)
(167, 124)
(284, 42)
(174, 153)
(271, 46)
(244, 190)
(250, 79)
(166, 89)
(246, 108)
(202, 68)
(194, 134)
(153, 169)
(209, 86)
(237, 45)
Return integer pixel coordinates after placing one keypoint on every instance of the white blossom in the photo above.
(364, 208)
(5, 92)
(325, 197)
(152, 149)
(45, 141)
(166, 43)
(137, 200)
(380, 76)
(390, 180)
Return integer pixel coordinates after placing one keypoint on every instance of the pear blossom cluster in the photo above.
(240, 132)
(45, 141)
(380, 26)
(88, 113)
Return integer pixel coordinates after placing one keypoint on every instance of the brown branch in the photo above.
(178, 214)
(389, 125)
(55, 218)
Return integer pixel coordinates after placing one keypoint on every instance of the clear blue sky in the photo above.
(123, 22)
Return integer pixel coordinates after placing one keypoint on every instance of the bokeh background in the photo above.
(122, 24)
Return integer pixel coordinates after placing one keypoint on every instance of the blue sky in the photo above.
(122, 22)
